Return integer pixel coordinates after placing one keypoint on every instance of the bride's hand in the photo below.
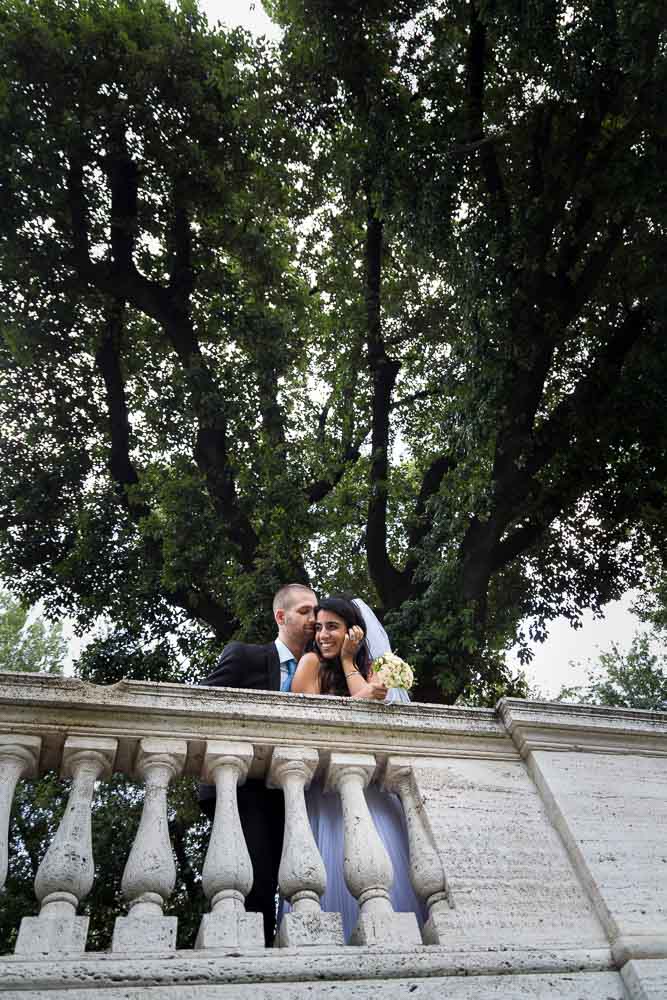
(351, 643)
(374, 690)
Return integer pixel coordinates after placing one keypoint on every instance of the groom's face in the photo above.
(297, 620)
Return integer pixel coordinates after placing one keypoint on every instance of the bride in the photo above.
(348, 636)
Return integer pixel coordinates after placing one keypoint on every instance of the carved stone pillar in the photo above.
(302, 877)
(19, 758)
(65, 875)
(150, 872)
(227, 875)
(427, 873)
(366, 864)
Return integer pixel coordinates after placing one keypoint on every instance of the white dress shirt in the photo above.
(284, 654)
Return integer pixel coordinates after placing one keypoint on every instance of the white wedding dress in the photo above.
(326, 820)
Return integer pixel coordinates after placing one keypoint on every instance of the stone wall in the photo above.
(544, 826)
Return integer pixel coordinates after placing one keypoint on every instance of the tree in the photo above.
(636, 678)
(537, 319)
(651, 606)
(34, 646)
(382, 311)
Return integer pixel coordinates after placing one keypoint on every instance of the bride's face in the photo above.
(330, 632)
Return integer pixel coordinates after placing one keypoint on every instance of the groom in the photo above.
(267, 667)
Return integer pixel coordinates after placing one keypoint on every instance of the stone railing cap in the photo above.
(129, 710)
(535, 725)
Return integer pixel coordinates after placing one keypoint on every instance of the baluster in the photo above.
(150, 872)
(366, 864)
(65, 875)
(301, 876)
(426, 869)
(227, 874)
(19, 758)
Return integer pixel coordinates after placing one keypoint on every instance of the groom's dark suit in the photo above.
(261, 809)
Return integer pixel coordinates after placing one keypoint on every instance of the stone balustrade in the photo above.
(537, 842)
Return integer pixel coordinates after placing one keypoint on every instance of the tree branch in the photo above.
(482, 550)
(430, 485)
(181, 283)
(124, 475)
(271, 413)
(582, 407)
(462, 148)
(389, 582)
(170, 307)
(198, 604)
(118, 278)
(476, 55)
(415, 397)
(123, 175)
(350, 445)
(322, 418)
(585, 159)
(107, 359)
(322, 487)
(552, 504)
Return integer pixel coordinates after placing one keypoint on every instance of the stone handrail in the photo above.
(479, 787)
(154, 732)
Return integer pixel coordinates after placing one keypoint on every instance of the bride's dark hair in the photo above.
(332, 677)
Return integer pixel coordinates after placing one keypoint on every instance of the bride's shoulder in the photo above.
(306, 679)
(310, 659)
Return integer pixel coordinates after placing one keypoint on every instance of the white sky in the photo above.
(552, 666)
(249, 15)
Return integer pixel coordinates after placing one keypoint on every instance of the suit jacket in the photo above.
(244, 665)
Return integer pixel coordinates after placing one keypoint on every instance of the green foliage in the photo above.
(487, 686)
(151, 100)
(381, 309)
(634, 678)
(34, 646)
(651, 606)
(115, 654)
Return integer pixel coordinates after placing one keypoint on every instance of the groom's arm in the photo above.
(232, 667)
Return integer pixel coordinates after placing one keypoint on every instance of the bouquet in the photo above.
(393, 671)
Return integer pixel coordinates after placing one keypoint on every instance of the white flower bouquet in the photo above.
(393, 671)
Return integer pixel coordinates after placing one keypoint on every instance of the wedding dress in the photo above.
(326, 820)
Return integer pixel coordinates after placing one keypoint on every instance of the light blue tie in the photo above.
(290, 666)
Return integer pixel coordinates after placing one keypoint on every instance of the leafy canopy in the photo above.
(381, 309)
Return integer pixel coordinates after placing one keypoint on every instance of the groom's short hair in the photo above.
(288, 595)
